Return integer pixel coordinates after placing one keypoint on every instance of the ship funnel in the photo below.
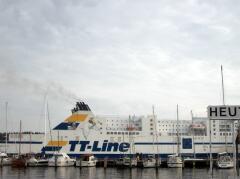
(81, 106)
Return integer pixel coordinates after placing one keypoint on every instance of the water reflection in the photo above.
(109, 173)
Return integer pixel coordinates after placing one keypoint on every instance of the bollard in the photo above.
(80, 163)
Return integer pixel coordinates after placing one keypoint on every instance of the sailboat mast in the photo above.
(20, 138)
(223, 93)
(49, 123)
(155, 128)
(194, 152)
(223, 100)
(6, 132)
(178, 149)
(58, 140)
(45, 121)
(129, 136)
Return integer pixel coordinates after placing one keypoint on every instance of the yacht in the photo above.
(119, 162)
(19, 161)
(150, 162)
(224, 160)
(60, 160)
(88, 161)
(4, 159)
(129, 162)
(37, 162)
(174, 161)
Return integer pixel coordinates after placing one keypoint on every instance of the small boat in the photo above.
(60, 160)
(35, 162)
(19, 161)
(119, 162)
(151, 162)
(174, 161)
(224, 160)
(129, 162)
(88, 161)
(4, 159)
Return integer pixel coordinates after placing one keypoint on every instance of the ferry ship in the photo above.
(84, 133)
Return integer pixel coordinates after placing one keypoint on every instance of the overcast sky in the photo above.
(121, 57)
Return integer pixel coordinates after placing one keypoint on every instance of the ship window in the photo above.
(137, 133)
(108, 132)
(111, 132)
(119, 139)
(220, 134)
(126, 132)
(115, 132)
(119, 133)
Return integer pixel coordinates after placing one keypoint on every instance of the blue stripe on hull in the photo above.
(136, 143)
(162, 156)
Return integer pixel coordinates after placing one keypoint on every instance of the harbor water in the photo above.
(109, 173)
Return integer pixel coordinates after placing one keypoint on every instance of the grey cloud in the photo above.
(127, 55)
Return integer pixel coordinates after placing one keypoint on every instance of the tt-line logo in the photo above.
(97, 147)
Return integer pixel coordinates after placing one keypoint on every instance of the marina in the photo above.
(86, 140)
